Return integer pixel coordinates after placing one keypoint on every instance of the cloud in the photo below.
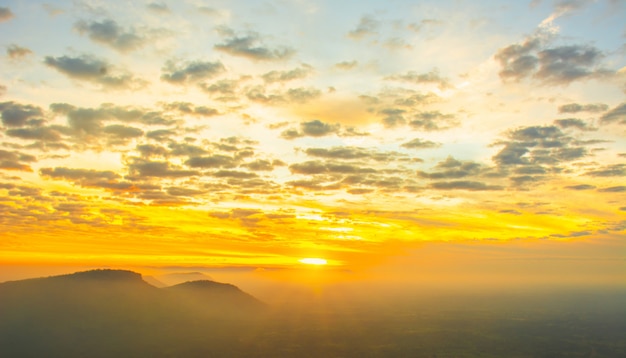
(464, 185)
(576, 107)
(292, 95)
(367, 26)
(284, 76)
(617, 114)
(13, 161)
(18, 115)
(263, 165)
(191, 109)
(538, 145)
(573, 123)
(44, 134)
(314, 128)
(555, 66)
(109, 33)
(78, 175)
(234, 174)
(516, 60)
(92, 69)
(160, 8)
(614, 189)
(432, 121)
(580, 187)
(15, 52)
(141, 168)
(319, 167)
(419, 78)
(346, 65)
(5, 14)
(122, 132)
(615, 170)
(392, 116)
(223, 87)
(453, 169)
(250, 46)
(190, 72)
(418, 143)
(213, 161)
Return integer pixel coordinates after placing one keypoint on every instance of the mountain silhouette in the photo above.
(106, 313)
(171, 279)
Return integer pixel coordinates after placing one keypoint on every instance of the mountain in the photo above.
(106, 313)
(214, 297)
(176, 278)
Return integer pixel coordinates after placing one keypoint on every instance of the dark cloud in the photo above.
(510, 211)
(234, 174)
(223, 87)
(141, 168)
(185, 149)
(562, 65)
(5, 14)
(452, 169)
(14, 161)
(284, 76)
(92, 69)
(262, 165)
(251, 46)
(392, 116)
(432, 121)
(151, 150)
(303, 95)
(18, 115)
(161, 135)
(538, 145)
(314, 128)
(617, 114)
(615, 170)
(122, 131)
(317, 128)
(573, 123)
(109, 33)
(367, 26)
(464, 185)
(319, 167)
(213, 161)
(419, 78)
(292, 95)
(557, 65)
(516, 60)
(339, 152)
(16, 52)
(90, 122)
(575, 108)
(614, 189)
(84, 177)
(190, 72)
(418, 143)
(580, 187)
(190, 108)
(178, 191)
(44, 134)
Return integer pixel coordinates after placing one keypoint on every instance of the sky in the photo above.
(369, 134)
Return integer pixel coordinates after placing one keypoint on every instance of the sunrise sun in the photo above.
(313, 261)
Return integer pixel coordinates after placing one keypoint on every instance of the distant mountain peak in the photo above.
(106, 274)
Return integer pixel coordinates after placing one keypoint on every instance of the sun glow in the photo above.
(313, 261)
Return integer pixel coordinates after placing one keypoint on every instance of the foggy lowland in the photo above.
(313, 178)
